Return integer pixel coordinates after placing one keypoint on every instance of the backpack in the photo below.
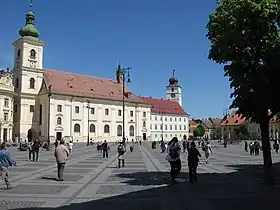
(174, 150)
(120, 150)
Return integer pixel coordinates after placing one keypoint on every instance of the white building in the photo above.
(168, 119)
(53, 104)
(50, 104)
(6, 105)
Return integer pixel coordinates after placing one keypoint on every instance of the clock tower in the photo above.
(174, 90)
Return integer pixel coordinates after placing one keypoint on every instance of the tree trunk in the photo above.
(267, 160)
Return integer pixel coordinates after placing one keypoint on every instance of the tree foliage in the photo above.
(241, 131)
(200, 130)
(244, 36)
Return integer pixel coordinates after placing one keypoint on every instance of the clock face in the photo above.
(172, 95)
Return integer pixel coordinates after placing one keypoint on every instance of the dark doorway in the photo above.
(144, 136)
(31, 135)
(5, 134)
(59, 135)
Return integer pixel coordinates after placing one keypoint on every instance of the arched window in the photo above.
(58, 121)
(77, 128)
(144, 124)
(131, 130)
(18, 53)
(119, 130)
(92, 128)
(32, 54)
(32, 83)
(106, 129)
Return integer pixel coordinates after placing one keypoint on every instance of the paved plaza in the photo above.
(232, 180)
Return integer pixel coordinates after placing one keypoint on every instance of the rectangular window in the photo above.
(106, 111)
(59, 108)
(31, 108)
(119, 112)
(144, 114)
(6, 102)
(165, 127)
(92, 110)
(131, 113)
(170, 127)
(40, 114)
(77, 109)
(6, 116)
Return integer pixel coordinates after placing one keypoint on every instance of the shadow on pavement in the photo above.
(242, 189)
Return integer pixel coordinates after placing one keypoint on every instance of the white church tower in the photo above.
(174, 90)
(28, 77)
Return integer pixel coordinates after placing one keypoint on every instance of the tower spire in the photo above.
(29, 30)
(173, 73)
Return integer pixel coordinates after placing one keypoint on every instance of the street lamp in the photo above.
(88, 107)
(125, 77)
(226, 114)
(49, 113)
(162, 112)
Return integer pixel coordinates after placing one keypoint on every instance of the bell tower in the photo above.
(174, 90)
(28, 76)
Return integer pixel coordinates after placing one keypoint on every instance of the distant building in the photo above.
(168, 118)
(234, 120)
(212, 128)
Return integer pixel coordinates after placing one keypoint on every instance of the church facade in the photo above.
(50, 104)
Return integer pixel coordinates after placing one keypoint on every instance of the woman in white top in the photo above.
(70, 146)
(207, 150)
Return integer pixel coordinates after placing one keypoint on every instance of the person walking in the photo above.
(207, 150)
(246, 146)
(173, 157)
(193, 159)
(121, 151)
(105, 149)
(5, 162)
(70, 145)
(61, 154)
(35, 149)
(30, 150)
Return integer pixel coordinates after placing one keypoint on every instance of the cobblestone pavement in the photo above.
(231, 180)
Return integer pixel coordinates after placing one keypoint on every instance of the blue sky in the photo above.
(152, 36)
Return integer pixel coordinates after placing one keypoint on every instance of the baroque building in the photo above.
(6, 105)
(50, 104)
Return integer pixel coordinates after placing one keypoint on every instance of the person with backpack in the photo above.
(173, 157)
(121, 151)
(193, 159)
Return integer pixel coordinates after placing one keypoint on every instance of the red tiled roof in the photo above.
(237, 119)
(164, 106)
(67, 83)
(233, 119)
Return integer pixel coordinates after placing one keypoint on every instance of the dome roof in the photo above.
(173, 80)
(29, 30)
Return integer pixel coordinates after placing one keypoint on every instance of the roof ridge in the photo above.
(76, 74)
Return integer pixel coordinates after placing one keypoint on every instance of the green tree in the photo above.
(200, 130)
(244, 36)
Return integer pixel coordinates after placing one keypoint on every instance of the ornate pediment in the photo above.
(6, 80)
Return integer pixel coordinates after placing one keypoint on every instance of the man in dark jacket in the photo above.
(105, 149)
(35, 148)
(193, 159)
